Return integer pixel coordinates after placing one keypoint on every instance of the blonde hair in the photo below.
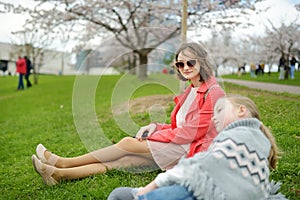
(238, 100)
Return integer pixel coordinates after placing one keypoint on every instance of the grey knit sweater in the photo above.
(234, 167)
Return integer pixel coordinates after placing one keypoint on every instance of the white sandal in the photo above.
(40, 152)
(44, 170)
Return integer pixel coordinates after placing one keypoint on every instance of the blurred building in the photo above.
(45, 62)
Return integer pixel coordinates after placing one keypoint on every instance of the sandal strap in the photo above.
(53, 159)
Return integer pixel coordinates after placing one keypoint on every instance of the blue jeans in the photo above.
(173, 192)
(292, 72)
(20, 83)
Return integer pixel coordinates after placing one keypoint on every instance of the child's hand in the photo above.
(145, 131)
(148, 188)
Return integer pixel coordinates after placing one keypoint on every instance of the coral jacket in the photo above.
(21, 66)
(198, 129)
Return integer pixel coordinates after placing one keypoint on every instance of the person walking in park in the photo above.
(235, 166)
(252, 70)
(293, 62)
(28, 69)
(21, 69)
(191, 129)
(262, 68)
(281, 67)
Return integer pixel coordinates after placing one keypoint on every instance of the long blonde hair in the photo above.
(238, 100)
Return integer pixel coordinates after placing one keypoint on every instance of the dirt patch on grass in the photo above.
(143, 104)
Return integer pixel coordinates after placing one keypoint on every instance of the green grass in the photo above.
(35, 116)
(272, 78)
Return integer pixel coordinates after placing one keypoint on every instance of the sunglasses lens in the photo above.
(191, 63)
(179, 65)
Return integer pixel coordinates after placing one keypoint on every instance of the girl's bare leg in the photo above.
(126, 147)
(98, 168)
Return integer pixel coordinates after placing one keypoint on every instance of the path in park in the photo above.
(266, 86)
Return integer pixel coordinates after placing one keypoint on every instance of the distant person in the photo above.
(262, 68)
(293, 62)
(239, 72)
(165, 71)
(257, 69)
(191, 129)
(3, 67)
(28, 71)
(21, 69)
(241, 69)
(236, 165)
(281, 67)
(252, 70)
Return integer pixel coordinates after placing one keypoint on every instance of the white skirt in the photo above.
(166, 155)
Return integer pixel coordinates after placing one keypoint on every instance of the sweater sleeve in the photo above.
(184, 170)
(172, 176)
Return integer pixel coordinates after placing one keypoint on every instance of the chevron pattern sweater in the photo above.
(234, 167)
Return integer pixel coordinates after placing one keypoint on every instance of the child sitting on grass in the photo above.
(236, 165)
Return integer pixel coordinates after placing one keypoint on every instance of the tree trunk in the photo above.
(216, 71)
(132, 59)
(183, 35)
(142, 68)
(35, 78)
(35, 71)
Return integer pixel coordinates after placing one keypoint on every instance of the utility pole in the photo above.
(183, 33)
(184, 20)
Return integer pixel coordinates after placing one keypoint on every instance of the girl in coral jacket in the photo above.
(191, 129)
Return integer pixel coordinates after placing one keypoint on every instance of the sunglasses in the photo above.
(190, 63)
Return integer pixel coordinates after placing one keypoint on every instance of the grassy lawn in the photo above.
(272, 78)
(63, 112)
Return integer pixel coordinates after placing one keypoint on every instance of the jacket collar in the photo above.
(204, 86)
